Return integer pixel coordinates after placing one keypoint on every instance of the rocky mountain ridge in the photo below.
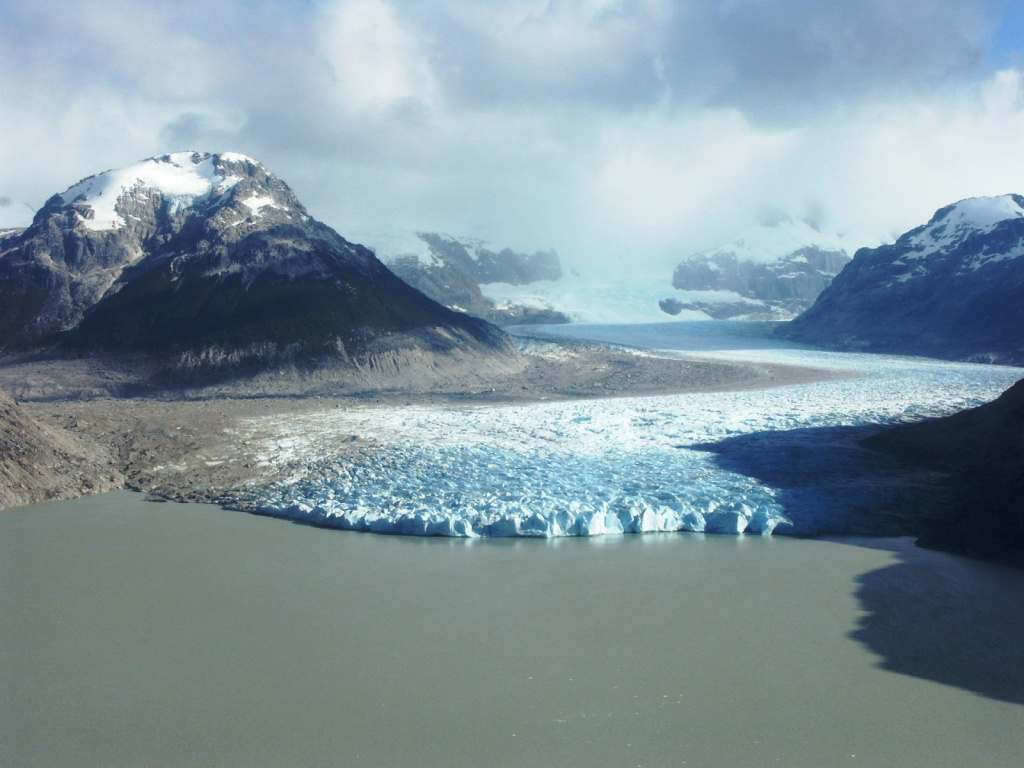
(773, 272)
(453, 270)
(952, 288)
(210, 262)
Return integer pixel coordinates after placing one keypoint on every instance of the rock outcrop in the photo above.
(952, 288)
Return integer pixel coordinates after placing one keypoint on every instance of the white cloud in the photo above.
(375, 62)
(889, 167)
(623, 131)
(668, 184)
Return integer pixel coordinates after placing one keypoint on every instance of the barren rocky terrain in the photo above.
(42, 462)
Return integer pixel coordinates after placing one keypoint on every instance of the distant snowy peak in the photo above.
(952, 225)
(981, 213)
(453, 270)
(392, 243)
(104, 202)
(422, 249)
(767, 244)
(771, 272)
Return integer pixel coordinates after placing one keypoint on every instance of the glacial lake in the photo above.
(143, 634)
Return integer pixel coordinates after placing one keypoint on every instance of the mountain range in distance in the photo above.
(211, 265)
(461, 272)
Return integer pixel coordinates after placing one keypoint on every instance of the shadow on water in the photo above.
(827, 483)
(933, 615)
(947, 619)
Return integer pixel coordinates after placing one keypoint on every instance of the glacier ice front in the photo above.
(621, 465)
(482, 491)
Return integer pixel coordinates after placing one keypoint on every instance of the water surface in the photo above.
(174, 635)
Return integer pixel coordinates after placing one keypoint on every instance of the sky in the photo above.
(626, 134)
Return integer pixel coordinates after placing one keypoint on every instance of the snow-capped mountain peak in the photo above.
(952, 224)
(180, 178)
(209, 262)
(767, 244)
(950, 288)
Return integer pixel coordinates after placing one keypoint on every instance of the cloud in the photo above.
(611, 129)
(777, 61)
(785, 61)
(374, 60)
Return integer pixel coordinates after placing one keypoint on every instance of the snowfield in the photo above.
(967, 218)
(626, 465)
(181, 177)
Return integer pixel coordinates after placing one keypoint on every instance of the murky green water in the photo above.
(137, 634)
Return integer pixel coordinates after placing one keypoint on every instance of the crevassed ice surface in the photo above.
(626, 465)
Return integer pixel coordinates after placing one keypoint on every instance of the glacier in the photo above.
(482, 491)
(617, 465)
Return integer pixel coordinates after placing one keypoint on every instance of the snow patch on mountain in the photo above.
(182, 177)
(256, 203)
(767, 244)
(952, 224)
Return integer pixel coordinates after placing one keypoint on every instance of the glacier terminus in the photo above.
(620, 465)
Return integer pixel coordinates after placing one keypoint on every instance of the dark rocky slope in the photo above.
(953, 289)
(43, 463)
(211, 265)
(981, 451)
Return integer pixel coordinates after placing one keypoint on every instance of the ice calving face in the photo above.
(480, 491)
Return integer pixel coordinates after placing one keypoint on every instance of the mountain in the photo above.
(452, 270)
(210, 263)
(981, 452)
(952, 288)
(773, 272)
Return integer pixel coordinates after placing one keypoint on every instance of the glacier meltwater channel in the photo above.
(610, 466)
